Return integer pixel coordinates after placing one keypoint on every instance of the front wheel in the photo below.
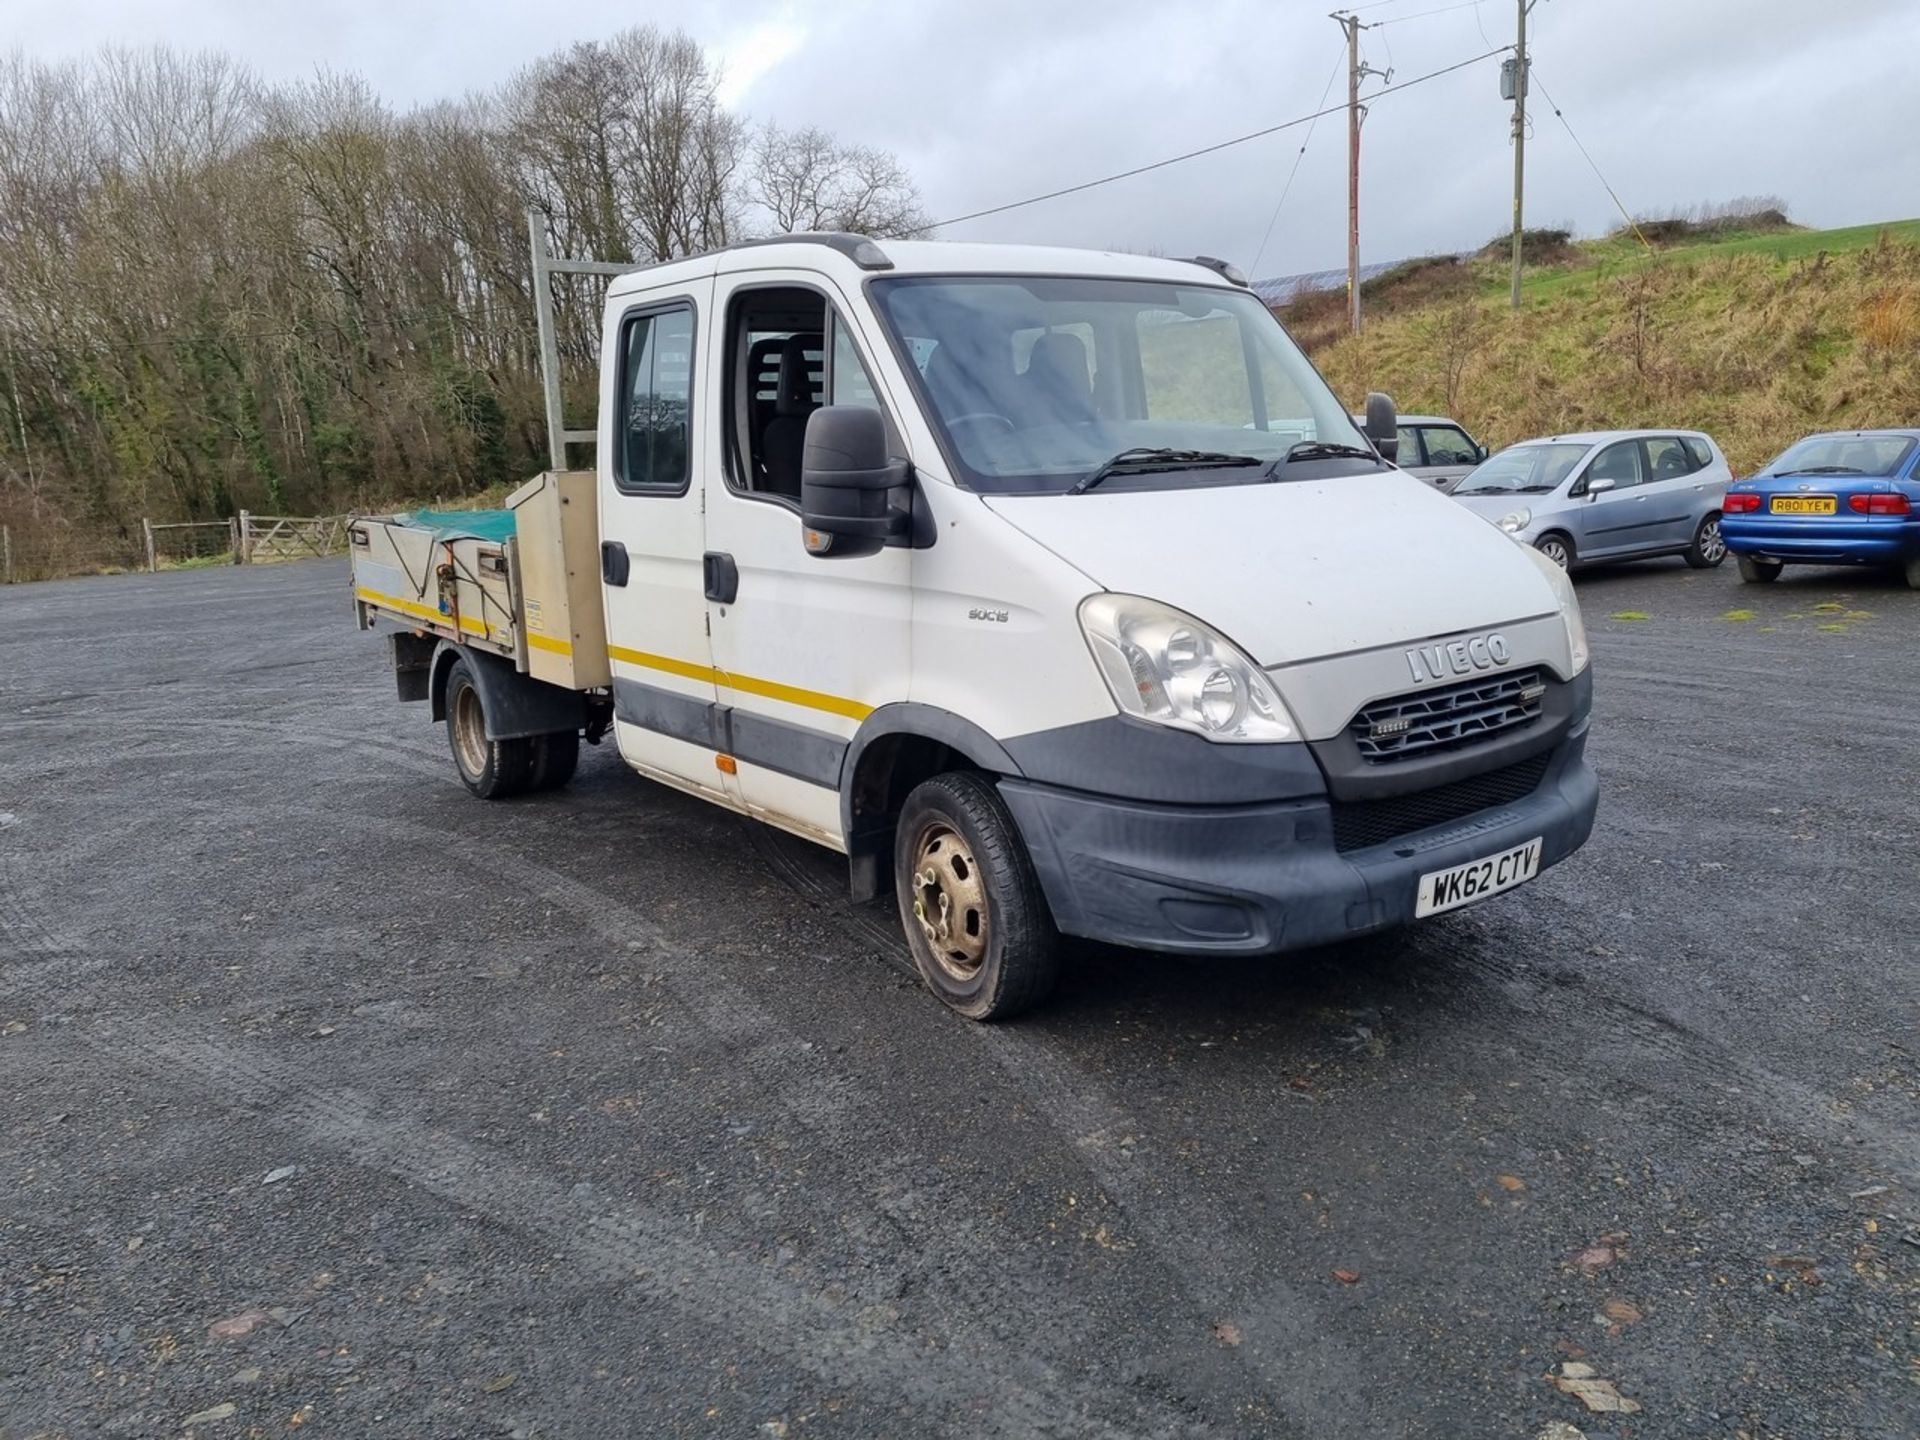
(976, 920)
(1759, 572)
(1709, 547)
(1556, 548)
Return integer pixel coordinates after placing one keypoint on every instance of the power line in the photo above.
(1422, 14)
(1560, 115)
(1211, 149)
(1274, 219)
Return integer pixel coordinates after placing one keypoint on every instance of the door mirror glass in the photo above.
(853, 494)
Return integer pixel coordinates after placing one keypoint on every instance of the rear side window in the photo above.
(1668, 459)
(1448, 446)
(1701, 451)
(1409, 451)
(656, 401)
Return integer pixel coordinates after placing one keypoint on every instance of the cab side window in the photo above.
(1619, 463)
(787, 355)
(656, 402)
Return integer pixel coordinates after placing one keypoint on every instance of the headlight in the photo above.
(1569, 609)
(1167, 667)
(1516, 522)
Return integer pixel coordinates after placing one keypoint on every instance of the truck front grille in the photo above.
(1430, 722)
(1358, 824)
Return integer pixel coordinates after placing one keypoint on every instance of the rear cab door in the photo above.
(657, 443)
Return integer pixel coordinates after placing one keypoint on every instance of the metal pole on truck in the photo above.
(545, 266)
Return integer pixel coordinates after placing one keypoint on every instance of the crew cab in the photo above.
(1055, 589)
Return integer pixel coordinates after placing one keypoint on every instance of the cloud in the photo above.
(992, 100)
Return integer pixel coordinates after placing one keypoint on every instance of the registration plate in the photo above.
(1477, 879)
(1805, 505)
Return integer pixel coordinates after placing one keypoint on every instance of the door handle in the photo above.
(614, 565)
(722, 576)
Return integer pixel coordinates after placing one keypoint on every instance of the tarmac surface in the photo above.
(335, 1101)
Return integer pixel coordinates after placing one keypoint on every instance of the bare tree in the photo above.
(804, 179)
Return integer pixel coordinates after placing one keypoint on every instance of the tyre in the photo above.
(1913, 573)
(555, 757)
(491, 769)
(976, 920)
(1557, 548)
(1709, 547)
(1759, 572)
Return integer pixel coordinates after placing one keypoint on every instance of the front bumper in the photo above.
(1827, 540)
(1262, 878)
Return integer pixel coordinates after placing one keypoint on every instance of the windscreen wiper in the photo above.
(1329, 450)
(1825, 470)
(1143, 459)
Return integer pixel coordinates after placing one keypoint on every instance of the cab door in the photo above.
(805, 646)
(656, 443)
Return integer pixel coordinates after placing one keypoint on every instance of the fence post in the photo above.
(6, 555)
(233, 537)
(243, 552)
(153, 559)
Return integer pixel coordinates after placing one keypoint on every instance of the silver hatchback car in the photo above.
(1610, 495)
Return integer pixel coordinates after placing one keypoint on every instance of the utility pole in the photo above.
(1356, 72)
(1519, 141)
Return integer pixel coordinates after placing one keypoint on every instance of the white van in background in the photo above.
(1054, 588)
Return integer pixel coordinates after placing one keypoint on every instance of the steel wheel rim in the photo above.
(950, 901)
(470, 732)
(1713, 547)
(1556, 552)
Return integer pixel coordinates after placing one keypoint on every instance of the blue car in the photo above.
(1847, 498)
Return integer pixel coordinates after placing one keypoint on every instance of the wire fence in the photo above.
(49, 550)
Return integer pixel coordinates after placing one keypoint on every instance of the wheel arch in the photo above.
(896, 748)
(516, 705)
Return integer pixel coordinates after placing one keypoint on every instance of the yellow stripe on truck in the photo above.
(546, 642)
(407, 607)
(747, 684)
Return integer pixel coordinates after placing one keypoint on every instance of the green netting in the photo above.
(494, 525)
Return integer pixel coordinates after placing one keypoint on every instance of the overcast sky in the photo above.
(1679, 101)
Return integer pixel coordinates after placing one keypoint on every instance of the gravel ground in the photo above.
(337, 1101)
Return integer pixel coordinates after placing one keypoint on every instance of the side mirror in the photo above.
(1383, 425)
(1480, 452)
(1599, 485)
(854, 495)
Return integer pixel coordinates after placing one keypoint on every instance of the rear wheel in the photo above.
(1759, 572)
(1557, 548)
(976, 920)
(555, 757)
(1913, 572)
(491, 769)
(1709, 548)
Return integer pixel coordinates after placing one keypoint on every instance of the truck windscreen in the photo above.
(1036, 381)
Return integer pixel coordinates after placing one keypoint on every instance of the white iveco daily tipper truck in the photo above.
(1054, 588)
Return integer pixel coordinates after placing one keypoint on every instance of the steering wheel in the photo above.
(973, 417)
